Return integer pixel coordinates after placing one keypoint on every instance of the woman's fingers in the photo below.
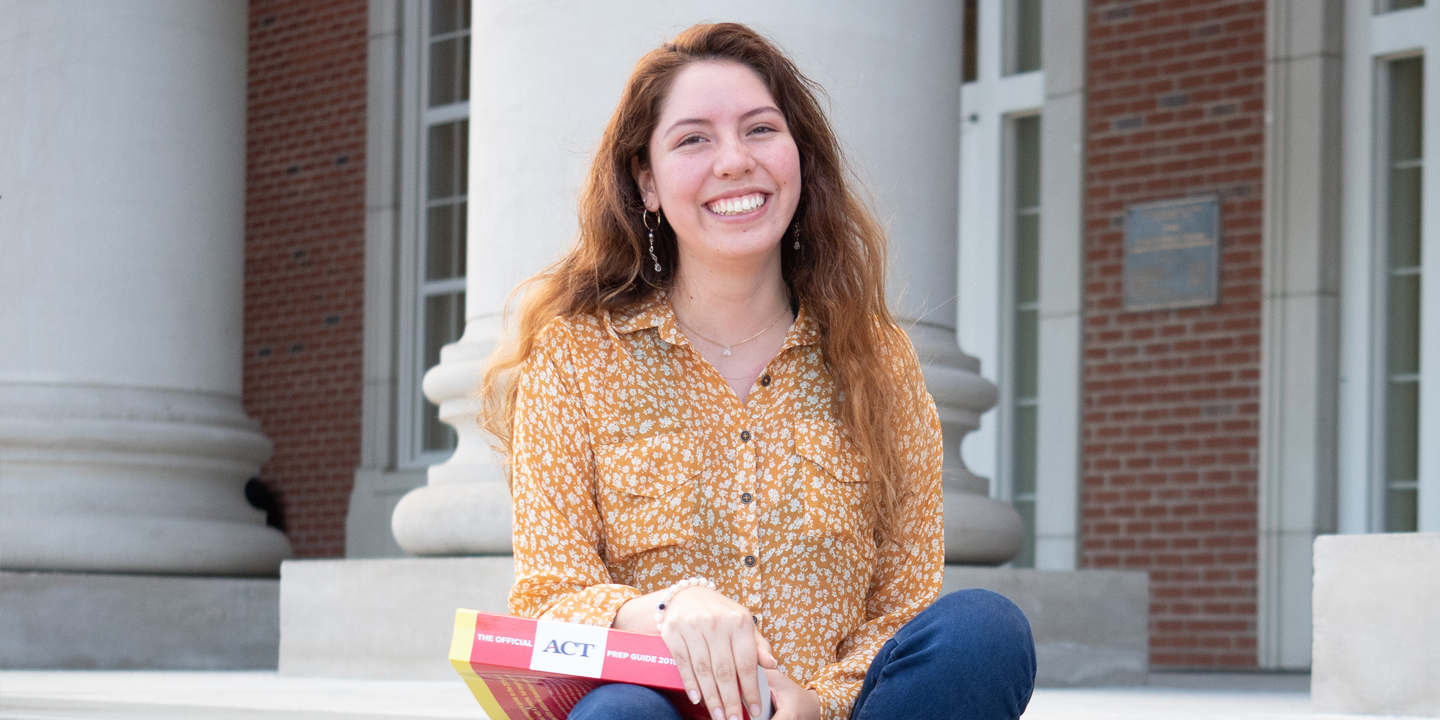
(711, 660)
(723, 663)
(792, 702)
(701, 661)
(763, 654)
(784, 705)
(714, 668)
(744, 652)
(681, 652)
(693, 658)
(699, 666)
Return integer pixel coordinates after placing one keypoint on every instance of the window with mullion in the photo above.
(970, 41)
(449, 52)
(445, 154)
(1404, 82)
(1022, 32)
(1024, 324)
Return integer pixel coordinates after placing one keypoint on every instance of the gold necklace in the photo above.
(725, 349)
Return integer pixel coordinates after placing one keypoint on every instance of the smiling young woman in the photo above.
(716, 432)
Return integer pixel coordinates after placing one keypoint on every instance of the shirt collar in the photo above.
(655, 312)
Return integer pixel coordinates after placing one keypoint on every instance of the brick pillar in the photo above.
(1171, 398)
(305, 256)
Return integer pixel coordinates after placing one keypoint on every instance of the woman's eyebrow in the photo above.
(702, 121)
(761, 109)
(686, 121)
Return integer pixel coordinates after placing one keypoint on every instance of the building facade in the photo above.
(407, 162)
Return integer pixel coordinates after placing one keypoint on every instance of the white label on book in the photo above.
(569, 648)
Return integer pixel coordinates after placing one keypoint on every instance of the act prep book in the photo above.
(523, 669)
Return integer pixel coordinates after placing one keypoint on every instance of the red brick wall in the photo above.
(304, 256)
(1171, 399)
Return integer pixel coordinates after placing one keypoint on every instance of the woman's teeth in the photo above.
(737, 206)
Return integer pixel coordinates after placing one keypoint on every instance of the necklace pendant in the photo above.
(726, 351)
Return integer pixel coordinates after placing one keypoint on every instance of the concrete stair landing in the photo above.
(161, 695)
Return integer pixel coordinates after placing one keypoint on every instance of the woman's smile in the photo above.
(737, 206)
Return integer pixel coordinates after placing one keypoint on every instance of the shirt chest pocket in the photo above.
(837, 489)
(648, 492)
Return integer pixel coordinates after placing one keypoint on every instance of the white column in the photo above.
(1299, 352)
(123, 444)
(893, 75)
(1062, 305)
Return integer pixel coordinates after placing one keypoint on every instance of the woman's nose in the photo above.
(734, 159)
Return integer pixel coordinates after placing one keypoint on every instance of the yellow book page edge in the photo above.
(461, 644)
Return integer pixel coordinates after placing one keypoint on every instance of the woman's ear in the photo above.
(646, 181)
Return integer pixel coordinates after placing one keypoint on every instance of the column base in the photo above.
(465, 508)
(471, 518)
(981, 530)
(154, 545)
(130, 480)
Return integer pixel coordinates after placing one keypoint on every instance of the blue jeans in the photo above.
(969, 656)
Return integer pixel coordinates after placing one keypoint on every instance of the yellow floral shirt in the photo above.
(634, 465)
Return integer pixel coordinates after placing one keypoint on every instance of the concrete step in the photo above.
(162, 695)
(240, 695)
(58, 620)
(392, 619)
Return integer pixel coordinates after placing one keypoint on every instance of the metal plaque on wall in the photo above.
(1172, 254)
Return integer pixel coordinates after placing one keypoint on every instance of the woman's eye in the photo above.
(689, 140)
(762, 130)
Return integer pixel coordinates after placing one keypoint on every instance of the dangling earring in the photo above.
(645, 220)
(797, 235)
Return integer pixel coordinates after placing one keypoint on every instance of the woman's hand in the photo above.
(792, 702)
(715, 643)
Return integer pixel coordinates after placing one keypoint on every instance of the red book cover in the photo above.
(523, 669)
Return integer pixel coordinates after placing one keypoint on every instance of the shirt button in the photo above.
(764, 381)
(744, 436)
(749, 561)
(746, 497)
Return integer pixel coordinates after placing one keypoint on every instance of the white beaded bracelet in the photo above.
(677, 587)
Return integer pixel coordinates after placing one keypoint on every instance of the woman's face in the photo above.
(724, 168)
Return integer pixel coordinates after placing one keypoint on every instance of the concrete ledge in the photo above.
(1377, 624)
(1091, 627)
(153, 695)
(382, 618)
(392, 618)
(98, 621)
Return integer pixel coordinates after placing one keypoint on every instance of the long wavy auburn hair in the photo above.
(838, 275)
